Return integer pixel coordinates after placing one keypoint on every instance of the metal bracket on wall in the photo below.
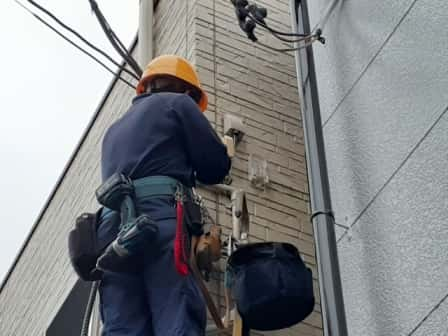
(239, 236)
(240, 214)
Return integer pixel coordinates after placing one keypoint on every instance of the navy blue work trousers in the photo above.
(158, 301)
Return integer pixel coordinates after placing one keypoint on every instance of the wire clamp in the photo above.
(322, 212)
(319, 37)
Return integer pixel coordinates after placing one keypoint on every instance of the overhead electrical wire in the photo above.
(287, 49)
(301, 39)
(114, 40)
(82, 38)
(304, 41)
(274, 31)
(75, 45)
(279, 35)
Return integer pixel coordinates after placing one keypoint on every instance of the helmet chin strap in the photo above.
(168, 84)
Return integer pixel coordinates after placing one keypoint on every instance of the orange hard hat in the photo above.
(175, 66)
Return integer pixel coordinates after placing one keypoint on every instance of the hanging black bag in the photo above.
(271, 285)
(84, 246)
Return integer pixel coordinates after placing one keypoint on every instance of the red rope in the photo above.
(179, 242)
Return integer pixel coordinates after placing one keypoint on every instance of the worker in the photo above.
(162, 142)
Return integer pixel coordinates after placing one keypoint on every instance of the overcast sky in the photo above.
(49, 91)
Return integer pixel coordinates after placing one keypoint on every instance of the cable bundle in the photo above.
(251, 15)
(117, 44)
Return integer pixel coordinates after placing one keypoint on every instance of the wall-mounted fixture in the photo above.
(234, 127)
(258, 171)
(234, 131)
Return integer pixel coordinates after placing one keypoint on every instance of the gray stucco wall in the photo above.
(383, 87)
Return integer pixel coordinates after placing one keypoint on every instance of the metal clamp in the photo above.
(322, 212)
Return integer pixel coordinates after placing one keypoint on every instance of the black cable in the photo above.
(274, 31)
(252, 16)
(129, 57)
(71, 30)
(241, 10)
(114, 40)
(286, 49)
(75, 45)
(120, 43)
(89, 308)
(303, 37)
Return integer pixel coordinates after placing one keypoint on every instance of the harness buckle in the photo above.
(197, 199)
(179, 194)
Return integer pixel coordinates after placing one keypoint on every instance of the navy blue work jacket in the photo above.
(164, 134)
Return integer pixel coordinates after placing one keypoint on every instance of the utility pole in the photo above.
(332, 301)
(145, 35)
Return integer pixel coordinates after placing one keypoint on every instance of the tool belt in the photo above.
(193, 250)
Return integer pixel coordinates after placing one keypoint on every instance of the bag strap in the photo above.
(198, 276)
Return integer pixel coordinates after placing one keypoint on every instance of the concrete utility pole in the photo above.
(332, 300)
(145, 40)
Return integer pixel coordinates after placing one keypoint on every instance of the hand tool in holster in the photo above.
(117, 193)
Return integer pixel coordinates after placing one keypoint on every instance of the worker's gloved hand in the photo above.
(130, 242)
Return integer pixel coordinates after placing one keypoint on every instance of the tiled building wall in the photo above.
(259, 86)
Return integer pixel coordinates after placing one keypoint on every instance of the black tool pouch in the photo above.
(83, 246)
(114, 190)
(272, 287)
(193, 218)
